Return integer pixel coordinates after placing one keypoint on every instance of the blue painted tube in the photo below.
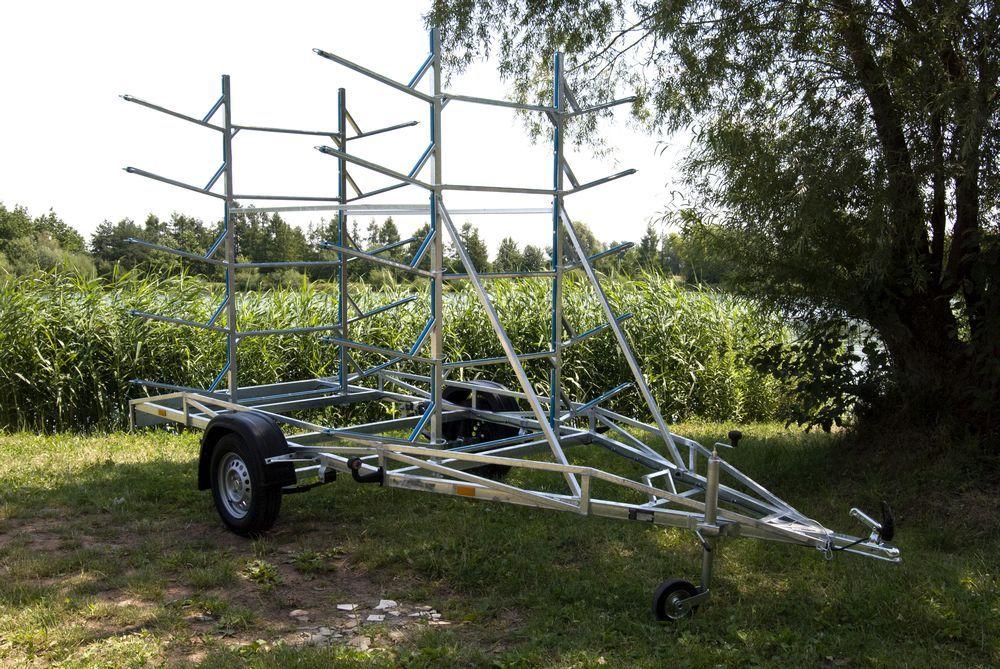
(218, 310)
(215, 177)
(376, 369)
(423, 156)
(216, 244)
(215, 108)
(421, 423)
(597, 400)
(419, 255)
(423, 335)
(421, 69)
(599, 328)
(218, 379)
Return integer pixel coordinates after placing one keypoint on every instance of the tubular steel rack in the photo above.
(435, 449)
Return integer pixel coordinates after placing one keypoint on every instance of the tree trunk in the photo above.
(940, 378)
(930, 363)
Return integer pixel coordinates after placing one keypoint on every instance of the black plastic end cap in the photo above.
(355, 464)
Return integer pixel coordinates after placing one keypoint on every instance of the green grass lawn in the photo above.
(109, 556)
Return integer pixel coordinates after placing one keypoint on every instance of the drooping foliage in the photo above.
(844, 161)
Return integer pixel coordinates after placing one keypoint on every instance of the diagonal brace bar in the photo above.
(215, 177)
(598, 400)
(497, 360)
(598, 182)
(218, 379)
(370, 133)
(422, 337)
(374, 349)
(508, 348)
(375, 259)
(623, 344)
(415, 79)
(173, 251)
(384, 307)
(593, 331)
(216, 244)
(170, 112)
(218, 310)
(377, 191)
(176, 321)
(620, 248)
(418, 428)
(421, 161)
(172, 182)
(215, 108)
(603, 105)
(392, 83)
(375, 167)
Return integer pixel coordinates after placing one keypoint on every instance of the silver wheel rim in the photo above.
(235, 490)
(674, 609)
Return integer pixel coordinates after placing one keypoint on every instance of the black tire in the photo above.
(473, 431)
(254, 512)
(667, 596)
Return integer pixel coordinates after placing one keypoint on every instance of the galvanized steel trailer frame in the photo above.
(722, 501)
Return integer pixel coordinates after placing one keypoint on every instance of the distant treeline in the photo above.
(46, 242)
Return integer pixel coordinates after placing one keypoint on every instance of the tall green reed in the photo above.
(68, 346)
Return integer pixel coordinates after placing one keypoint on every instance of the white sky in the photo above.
(65, 134)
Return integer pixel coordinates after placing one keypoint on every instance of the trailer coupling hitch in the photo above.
(734, 440)
(355, 465)
(881, 531)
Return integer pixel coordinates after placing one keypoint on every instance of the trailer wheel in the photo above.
(668, 598)
(246, 506)
(473, 431)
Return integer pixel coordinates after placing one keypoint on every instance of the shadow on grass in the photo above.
(526, 587)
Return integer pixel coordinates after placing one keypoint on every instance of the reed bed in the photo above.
(68, 346)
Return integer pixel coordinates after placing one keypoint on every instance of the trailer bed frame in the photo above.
(685, 484)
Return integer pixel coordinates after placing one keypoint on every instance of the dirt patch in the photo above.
(283, 592)
(340, 605)
(43, 534)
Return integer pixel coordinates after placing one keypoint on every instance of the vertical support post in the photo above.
(555, 375)
(711, 512)
(342, 285)
(585, 494)
(437, 249)
(231, 325)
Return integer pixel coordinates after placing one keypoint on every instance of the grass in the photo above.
(110, 558)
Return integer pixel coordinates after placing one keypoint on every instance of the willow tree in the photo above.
(844, 152)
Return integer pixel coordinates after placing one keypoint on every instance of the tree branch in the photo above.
(969, 111)
(611, 42)
(938, 210)
(905, 198)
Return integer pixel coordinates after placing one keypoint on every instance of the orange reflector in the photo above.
(465, 490)
(162, 412)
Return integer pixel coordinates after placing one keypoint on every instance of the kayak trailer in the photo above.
(449, 433)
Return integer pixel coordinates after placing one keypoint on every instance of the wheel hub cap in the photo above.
(234, 485)
(675, 609)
